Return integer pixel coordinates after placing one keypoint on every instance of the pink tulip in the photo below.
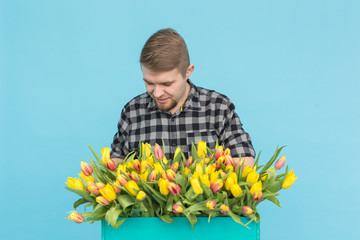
(76, 217)
(136, 164)
(102, 200)
(189, 162)
(174, 166)
(174, 188)
(110, 164)
(211, 205)
(247, 210)
(86, 168)
(257, 196)
(219, 152)
(280, 162)
(122, 180)
(176, 208)
(224, 209)
(152, 176)
(158, 152)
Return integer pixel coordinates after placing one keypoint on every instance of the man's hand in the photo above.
(117, 160)
(246, 161)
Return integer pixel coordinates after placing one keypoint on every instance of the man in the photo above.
(174, 110)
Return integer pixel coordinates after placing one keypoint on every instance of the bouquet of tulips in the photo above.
(209, 183)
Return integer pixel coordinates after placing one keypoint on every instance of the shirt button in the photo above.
(173, 120)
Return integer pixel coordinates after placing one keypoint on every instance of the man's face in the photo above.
(168, 89)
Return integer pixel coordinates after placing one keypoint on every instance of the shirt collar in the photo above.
(191, 103)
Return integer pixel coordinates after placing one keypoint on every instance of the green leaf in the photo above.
(237, 219)
(119, 223)
(95, 154)
(79, 202)
(194, 152)
(125, 201)
(274, 200)
(99, 210)
(82, 193)
(167, 219)
(272, 160)
(112, 215)
(160, 199)
(257, 160)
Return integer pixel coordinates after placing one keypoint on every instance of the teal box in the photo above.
(155, 228)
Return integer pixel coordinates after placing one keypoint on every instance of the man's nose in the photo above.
(158, 91)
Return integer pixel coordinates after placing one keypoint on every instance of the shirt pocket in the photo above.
(209, 137)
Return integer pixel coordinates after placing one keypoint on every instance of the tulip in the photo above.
(223, 174)
(100, 185)
(213, 177)
(229, 168)
(158, 152)
(143, 165)
(121, 168)
(105, 153)
(86, 168)
(224, 209)
(158, 168)
(177, 151)
(132, 187)
(163, 186)
(165, 160)
(256, 187)
(174, 188)
(195, 184)
(187, 171)
(76, 217)
(201, 149)
(280, 162)
(204, 178)
(236, 190)
(289, 179)
(210, 169)
(116, 189)
(252, 177)
(134, 176)
(247, 210)
(267, 174)
(216, 186)
(136, 164)
(174, 166)
(211, 204)
(171, 175)
(229, 182)
(86, 178)
(226, 152)
(92, 187)
(75, 183)
(153, 176)
(198, 168)
(257, 196)
(219, 152)
(108, 192)
(229, 160)
(246, 171)
(219, 162)
(121, 179)
(146, 149)
(141, 195)
(129, 165)
(176, 208)
(163, 175)
(144, 176)
(102, 200)
(189, 162)
(110, 164)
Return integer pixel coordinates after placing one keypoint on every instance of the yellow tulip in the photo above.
(102, 200)
(76, 217)
(289, 179)
(89, 178)
(163, 186)
(146, 148)
(108, 192)
(132, 187)
(252, 177)
(141, 195)
(86, 168)
(229, 168)
(105, 153)
(196, 185)
(266, 174)
(187, 171)
(214, 176)
(75, 183)
(246, 171)
(121, 168)
(177, 151)
(198, 168)
(210, 169)
(256, 187)
(236, 190)
(201, 149)
(144, 176)
(204, 178)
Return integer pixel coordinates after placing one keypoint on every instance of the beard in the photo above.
(166, 107)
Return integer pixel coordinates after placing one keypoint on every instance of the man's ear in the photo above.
(189, 70)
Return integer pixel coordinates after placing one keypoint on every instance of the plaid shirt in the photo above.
(206, 115)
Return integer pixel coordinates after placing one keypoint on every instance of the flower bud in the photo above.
(189, 162)
(177, 151)
(229, 160)
(122, 180)
(86, 168)
(219, 152)
(100, 185)
(87, 179)
(187, 171)
(116, 189)
(171, 175)
(76, 217)
(213, 177)
(204, 178)
(134, 176)
(211, 205)
(174, 188)
(153, 176)
(105, 154)
(132, 187)
(201, 149)
(224, 209)
(102, 200)
(280, 162)
(136, 164)
(163, 186)
(256, 187)
(246, 171)
(174, 166)
(236, 190)
(146, 149)
(141, 195)
(108, 192)
(289, 179)
(176, 208)
(158, 152)
(75, 183)
(247, 210)
(92, 187)
(226, 152)
(216, 186)
(257, 196)
(110, 164)
(195, 184)
(252, 177)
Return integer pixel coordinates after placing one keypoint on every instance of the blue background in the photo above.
(292, 69)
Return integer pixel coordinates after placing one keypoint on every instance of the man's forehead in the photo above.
(158, 77)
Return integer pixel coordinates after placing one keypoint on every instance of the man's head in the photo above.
(166, 67)
(165, 50)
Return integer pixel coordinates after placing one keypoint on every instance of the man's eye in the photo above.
(167, 84)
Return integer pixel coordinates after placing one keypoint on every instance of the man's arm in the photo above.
(246, 161)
